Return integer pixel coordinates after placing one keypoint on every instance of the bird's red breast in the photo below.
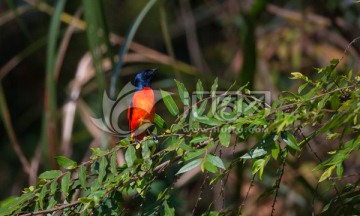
(141, 111)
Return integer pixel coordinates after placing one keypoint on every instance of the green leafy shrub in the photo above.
(327, 106)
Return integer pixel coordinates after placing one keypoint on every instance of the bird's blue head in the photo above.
(144, 78)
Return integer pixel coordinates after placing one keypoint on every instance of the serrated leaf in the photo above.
(130, 156)
(298, 75)
(327, 173)
(145, 151)
(183, 93)
(194, 154)
(65, 162)
(209, 121)
(52, 203)
(113, 163)
(215, 160)
(199, 139)
(262, 148)
(190, 166)
(259, 166)
(214, 87)
(82, 176)
(102, 169)
(199, 90)
(42, 196)
(339, 169)
(167, 210)
(50, 174)
(210, 167)
(53, 187)
(275, 150)
(65, 181)
(302, 87)
(159, 122)
(225, 136)
(290, 140)
(169, 103)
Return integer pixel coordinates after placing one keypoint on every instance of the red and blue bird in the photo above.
(141, 111)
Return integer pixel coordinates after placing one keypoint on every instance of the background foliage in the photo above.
(57, 58)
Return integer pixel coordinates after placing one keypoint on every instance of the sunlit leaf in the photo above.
(225, 136)
(82, 176)
(199, 90)
(169, 103)
(191, 165)
(183, 93)
(130, 156)
(50, 174)
(102, 169)
(215, 160)
(65, 162)
(290, 140)
(65, 181)
(327, 173)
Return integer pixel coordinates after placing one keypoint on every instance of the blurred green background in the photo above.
(54, 69)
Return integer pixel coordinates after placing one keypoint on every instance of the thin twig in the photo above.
(277, 186)
(247, 194)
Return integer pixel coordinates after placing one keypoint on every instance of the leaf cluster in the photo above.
(327, 106)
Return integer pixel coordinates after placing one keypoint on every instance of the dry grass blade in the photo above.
(65, 42)
(83, 74)
(115, 39)
(9, 128)
(50, 125)
(191, 36)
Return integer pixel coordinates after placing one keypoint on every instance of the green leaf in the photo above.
(102, 169)
(214, 87)
(82, 176)
(167, 210)
(53, 187)
(210, 167)
(113, 163)
(215, 160)
(290, 140)
(199, 90)
(275, 150)
(42, 196)
(145, 151)
(259, 166)
(87, 201)
(159, 122)
(130, 156)
(209, 121)
(169, 103)
(225, 136)
(298, 75)
(262, 148)
(190, 166)
(65, 162)
(327, 173)
(194, 154)
(183, 93)
(339, 169)
(199, 139)
(50, 174)
(302, 87)
(65, 181)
